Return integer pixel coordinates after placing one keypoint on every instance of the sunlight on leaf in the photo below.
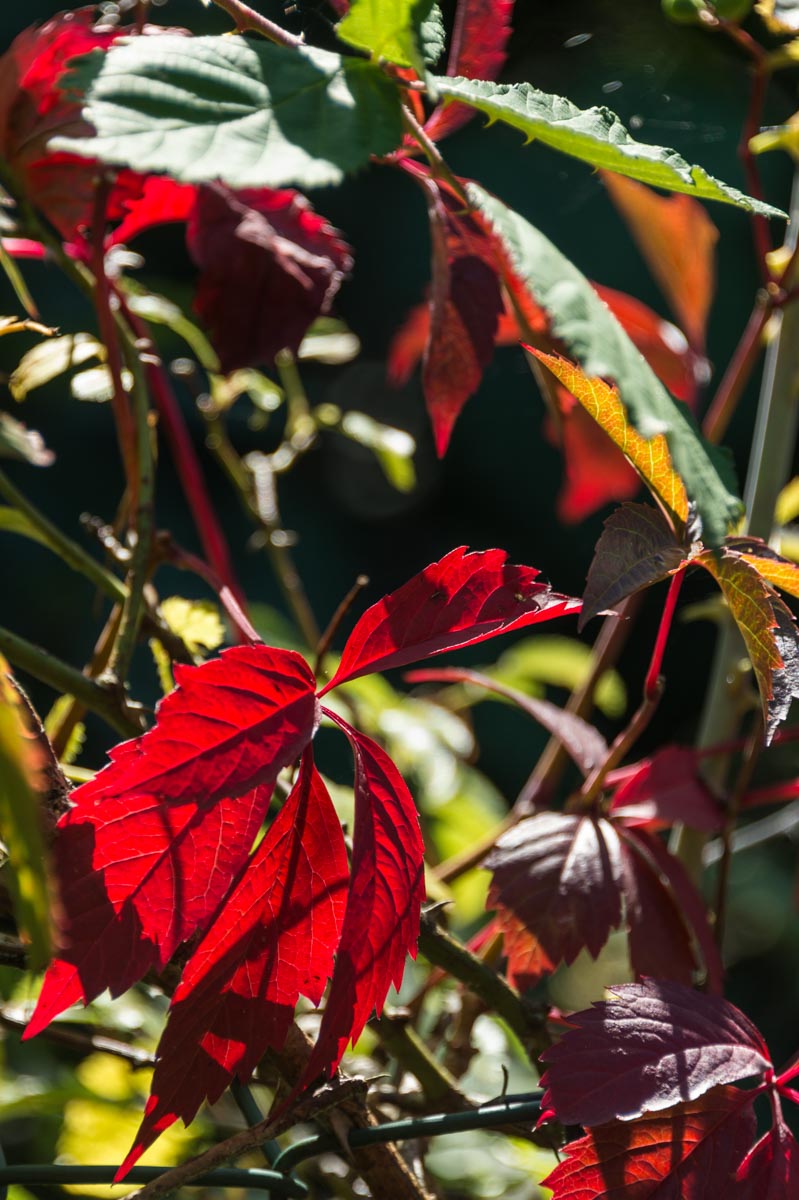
(197, 622)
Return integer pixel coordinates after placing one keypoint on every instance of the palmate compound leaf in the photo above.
(477, 51)
(688, 1152)
(153, 842)
(462, 599)
(562, 882)
(767, 627)
(636, 549)
(595, 135)
(770, 1170)
(225, 108)
(649, 1046)
(599, 344)
(384, 903)
(273, 941)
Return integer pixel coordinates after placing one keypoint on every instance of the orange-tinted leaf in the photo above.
(767, 628)
(780, 572)
(678, 239)
(650, 456)
(688, 1152)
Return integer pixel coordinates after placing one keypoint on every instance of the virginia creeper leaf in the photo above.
(557, 876)
(780, 572)
(462, 599)
(389, 29)
(649, 1046)
(221, 108)
(677, 239)
(477, 51)
(269, 266)
(636, 549)
(770, 1170)
(21, 779)
(137, 877)
(659, 939)
(596, 340)
(465, 303)
(767, 628)
(650, 456)
(595, 135)
(381, 922)
(665, 789)
(273, 941)
(582, 742)
(688, 1152)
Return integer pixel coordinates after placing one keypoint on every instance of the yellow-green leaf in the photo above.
(197, 622)
(20, 758)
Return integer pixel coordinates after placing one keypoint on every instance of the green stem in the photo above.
(769, 468)
(403, 1042)
(67, 550)
(107, 702)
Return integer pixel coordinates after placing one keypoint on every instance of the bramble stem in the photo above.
(107, 702)
(247, 19)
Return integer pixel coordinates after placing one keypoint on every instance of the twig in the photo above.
(107, 701)
(247, 18)
(618, 751)
(335, 621)
(402, 1041)
(84, 1040)
(751, 754)
(784, 823)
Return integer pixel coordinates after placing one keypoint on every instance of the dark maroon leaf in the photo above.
(462, 599)
(556, 888)
(651, 1045)
(269, 265)
(660, 941)
(636, 549)
(770, 1170)
(381, 922)
(582, 742)
(273, 941)
(689, 1152)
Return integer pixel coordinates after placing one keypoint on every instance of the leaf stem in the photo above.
(652, 684)
(248, 20)
(106, 700)
(335, 621)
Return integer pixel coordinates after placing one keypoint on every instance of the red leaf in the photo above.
(595, 471)
(678, 240)
(651, 1045)
(556, 886)
(689, 1152)
(269, 266)
(662, 344)
(462, 599)
(465, 303)
(665, 789)
(273, 941)
(477, 51)
(160, 200)
(770, 1170)
(154, 839)
(381, 923)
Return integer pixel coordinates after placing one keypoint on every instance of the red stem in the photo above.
(188, 466)
(652, 683)
(740, 367)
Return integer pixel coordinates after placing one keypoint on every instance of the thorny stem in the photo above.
(247, 19)
(107, 701)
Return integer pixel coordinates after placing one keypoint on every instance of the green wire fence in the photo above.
(278, 1180)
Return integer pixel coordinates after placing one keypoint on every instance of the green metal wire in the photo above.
(229, 1177)
(506, 1111)
(253, 1116)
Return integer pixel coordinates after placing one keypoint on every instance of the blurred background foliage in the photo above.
(497, 486)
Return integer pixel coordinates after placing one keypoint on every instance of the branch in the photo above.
(247, 19)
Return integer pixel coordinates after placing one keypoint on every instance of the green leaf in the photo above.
(50, 359)
(393, 29)
(594, 337)
(17, 441)
(595, 135)
(19, 822)
(14, 521)
(197, 622)
(250, 114)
